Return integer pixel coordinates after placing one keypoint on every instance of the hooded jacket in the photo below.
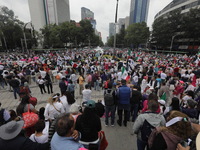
(166, 139)
(154, 119)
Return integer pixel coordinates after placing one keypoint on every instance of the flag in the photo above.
(129, 52)
(124, 73)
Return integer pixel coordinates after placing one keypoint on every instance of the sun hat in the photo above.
(11, 129)
(90, 104)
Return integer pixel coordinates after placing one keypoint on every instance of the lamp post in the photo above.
(114, 50)
(172, 42)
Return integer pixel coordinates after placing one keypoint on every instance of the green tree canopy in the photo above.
(137, 33)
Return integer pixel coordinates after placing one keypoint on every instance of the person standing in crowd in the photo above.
(41, 83)
(54, 107)
(14, 83)
(124, 94)
(148, 119)
(23, 106)
(42, 73)
(135, 102)
(89, 124)
(81, 83)
(28, 74)
(109, 100)
(86, 93)
(65, 136)
(71, 88)
(48, 83)
(62, 85)
(89, 80)
(73, 78)
(64, 101)
(164, 93)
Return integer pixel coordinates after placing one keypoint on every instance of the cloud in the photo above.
(104, 11)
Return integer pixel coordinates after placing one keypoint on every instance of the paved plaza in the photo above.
(119, 138)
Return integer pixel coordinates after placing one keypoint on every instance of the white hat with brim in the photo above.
(11, 129)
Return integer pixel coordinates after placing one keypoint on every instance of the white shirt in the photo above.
(65, 104)
(86, 94)
(43, 74)
(40, 81)
(39, 139)
(119, 76)
(50, 110)
(73, 77)
(163, 76)
(135, 79)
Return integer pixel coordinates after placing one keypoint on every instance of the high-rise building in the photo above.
(44, 12)
(121, 24)
(111, 29)
(86, 13)
(127, 19)
(139, 11)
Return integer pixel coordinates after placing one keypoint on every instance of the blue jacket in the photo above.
(124, 94)
(64, 143)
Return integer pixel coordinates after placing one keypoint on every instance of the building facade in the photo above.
(127, 19)
(86, 13)
(120, 24)
(184, 5)
(44, 12)
(111, 29)
(139, 11)
(181, 43)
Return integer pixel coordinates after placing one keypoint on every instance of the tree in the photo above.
(12, 29)
(191, 25)
(165, 28)
(86, 31)
(137, 33)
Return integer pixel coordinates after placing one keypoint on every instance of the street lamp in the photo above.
(114, 50)
(172, 42)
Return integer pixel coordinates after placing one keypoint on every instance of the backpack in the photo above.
(108, 98)
(2, 121)
(146, 130)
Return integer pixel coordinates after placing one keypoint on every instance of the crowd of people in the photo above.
(159, 93)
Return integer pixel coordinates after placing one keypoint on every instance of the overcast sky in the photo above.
(104, 11)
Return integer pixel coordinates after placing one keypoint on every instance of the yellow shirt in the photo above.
(81, 80)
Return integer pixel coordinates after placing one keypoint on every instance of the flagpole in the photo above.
(114, 49)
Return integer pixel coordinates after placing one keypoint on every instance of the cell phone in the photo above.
(184, 143)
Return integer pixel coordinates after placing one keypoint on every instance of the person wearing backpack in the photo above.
(145, 123)
(109, 100)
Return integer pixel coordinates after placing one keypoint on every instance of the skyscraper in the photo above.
(139, 11)
(86, 13)
(44, 12)
(111, 29)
